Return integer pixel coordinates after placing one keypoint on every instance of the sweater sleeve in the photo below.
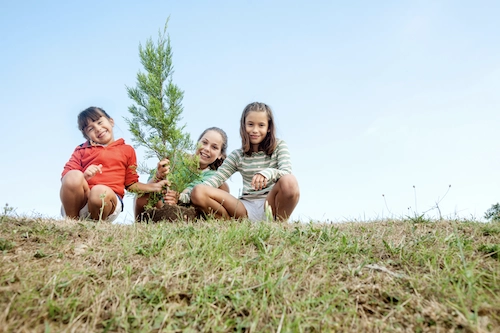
(131, 176)
(74, 163)
(284, 163)
(226, 170)
(184, 197)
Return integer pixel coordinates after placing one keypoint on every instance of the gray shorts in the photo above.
(255, 209)
(84, 212)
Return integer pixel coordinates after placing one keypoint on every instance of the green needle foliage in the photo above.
(156, 111)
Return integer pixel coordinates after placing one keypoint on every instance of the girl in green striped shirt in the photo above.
(265, 166)
(212, 145)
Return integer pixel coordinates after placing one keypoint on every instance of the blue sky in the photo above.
(372, 98)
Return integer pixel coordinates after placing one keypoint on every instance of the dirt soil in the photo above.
(170, 213)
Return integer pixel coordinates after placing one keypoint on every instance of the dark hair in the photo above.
(218, 162)
(92, 113)
(269, 143)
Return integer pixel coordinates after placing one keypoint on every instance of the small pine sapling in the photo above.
(156, 110)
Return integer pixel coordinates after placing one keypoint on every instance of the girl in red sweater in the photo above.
(99, 170)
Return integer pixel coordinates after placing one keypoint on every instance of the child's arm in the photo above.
(284, 163)
(226, 170)
(139, 187)
(74, 163)
(132, 183)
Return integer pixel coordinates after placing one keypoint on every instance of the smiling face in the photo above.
(100, 131)
(257, 127)
(210, 148)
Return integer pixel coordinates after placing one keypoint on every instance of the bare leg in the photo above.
(140, 203)
(215, 201)
(74, 192)
(224, 187)
(101, 195)
(284, 197)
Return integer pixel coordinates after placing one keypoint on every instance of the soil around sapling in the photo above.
(170, 213)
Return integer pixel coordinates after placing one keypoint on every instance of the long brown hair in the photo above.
(269, 143)
(223, 150)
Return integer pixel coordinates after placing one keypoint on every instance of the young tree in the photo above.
(156, 112)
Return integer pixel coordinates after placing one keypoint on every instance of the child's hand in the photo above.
(259, 182)
(162, 169)
(158, 187)
(92, 170)
(171, 197)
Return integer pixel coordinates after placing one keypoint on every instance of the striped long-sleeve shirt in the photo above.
(272, 167)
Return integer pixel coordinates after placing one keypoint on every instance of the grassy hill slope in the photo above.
(217, 276)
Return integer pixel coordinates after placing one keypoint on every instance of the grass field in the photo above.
(218, 276)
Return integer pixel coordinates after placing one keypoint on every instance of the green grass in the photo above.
(219, 276)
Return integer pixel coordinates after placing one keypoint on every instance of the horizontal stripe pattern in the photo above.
(272, 167)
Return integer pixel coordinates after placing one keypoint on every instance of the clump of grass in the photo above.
(491, 249)
(219, 276)
(491, 229)
(5, 244)
(6, 212)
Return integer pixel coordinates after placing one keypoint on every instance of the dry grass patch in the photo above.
(215, 276)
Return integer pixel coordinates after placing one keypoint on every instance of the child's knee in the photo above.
(197, 194)
(73, 178)
(289, 186)
(99, 194)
